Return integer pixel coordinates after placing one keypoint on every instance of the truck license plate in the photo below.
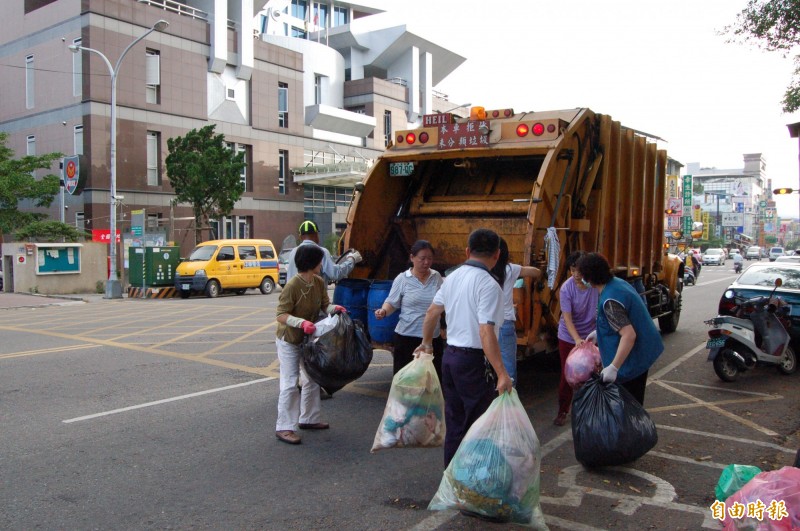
(715, 342)
(185, 286)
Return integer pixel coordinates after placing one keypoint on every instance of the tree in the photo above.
(17, 184)
(48, 231)
(204, 172)
(772, 25)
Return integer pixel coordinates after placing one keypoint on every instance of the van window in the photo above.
(202, 253)
(225, 253)
(247, 252)
(266, 252)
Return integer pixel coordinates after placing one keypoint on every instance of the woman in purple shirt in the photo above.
(578, 317)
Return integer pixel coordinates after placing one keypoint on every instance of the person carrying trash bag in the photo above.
(494, 474)
(299, 305)
(628, 339)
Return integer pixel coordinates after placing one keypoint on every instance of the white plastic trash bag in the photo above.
(414, 414)
(326, 325)
(495, 471)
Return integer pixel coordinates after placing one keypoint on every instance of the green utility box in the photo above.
(159, 266)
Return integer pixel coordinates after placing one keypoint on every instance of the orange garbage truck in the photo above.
(595, 184)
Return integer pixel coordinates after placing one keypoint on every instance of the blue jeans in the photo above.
(508, 348)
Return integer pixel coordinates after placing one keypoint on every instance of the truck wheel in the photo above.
(789, 363)
(267, 286)
(724, 366)
(185, 293)
(669, 323)
(212, 289)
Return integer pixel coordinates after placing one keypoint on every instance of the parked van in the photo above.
(228, 265)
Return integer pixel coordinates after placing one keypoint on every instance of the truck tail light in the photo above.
(522, 130)
(537, 129)
(547, 129)
(410, 138)
(425, 137)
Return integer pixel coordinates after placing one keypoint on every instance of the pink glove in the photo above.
(340, 309)
(308, 327)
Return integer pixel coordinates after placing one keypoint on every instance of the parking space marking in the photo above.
(239, 338)
(165, 400)
(667, 368)
(727, 438)
(712, 407)
(45, 351)
(725, 389)
(209, 327)
(692, 461)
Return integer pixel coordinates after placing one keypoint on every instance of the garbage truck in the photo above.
(585, 179)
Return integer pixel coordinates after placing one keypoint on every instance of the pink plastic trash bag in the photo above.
(775, 496)
(581, 363)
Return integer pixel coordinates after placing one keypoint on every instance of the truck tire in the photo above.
(669, 323)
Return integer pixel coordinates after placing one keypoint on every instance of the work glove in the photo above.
(308, 327)
(355, 256)
(339, 309)
(609, 374)
(592, 337)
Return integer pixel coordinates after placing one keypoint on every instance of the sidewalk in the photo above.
(34, 300)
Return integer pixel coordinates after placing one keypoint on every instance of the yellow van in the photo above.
(228, 265)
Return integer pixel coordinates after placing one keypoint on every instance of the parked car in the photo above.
(758, 280)
(734, 252)
(714, 256)
(775, 252)
(753, 253)
(283, 260)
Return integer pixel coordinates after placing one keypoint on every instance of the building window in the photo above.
(387, 127)
(80, 221)
(77, 71)
(283, 105)
(299, 8)
(31, 149)
(325, 199)
(153, 158)
(29, 72)
(341, 16)
(77, 139)
(153, 221)
(152, 76)
(243, 225)
(321, 15)
(243, 148)
(230, 94)
(283, 170)
(360, 109)
(317, 89)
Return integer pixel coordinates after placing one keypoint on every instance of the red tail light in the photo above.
(411, 138)
(400, 139)
(522, 129)
(537, 129)
(423, 137)
(714, 332)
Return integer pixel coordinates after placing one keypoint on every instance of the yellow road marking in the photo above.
(234, 341)
(45, 351)
(223, 323)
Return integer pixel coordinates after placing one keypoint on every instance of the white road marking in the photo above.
(664, 370)
(689, 460)
(725, 389)
(727, 438)
(166, 400)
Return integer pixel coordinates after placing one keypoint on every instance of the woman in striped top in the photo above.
(412, 292)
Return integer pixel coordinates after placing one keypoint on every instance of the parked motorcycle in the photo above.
(755, 335)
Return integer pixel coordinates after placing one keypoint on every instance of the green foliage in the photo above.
(332, 243)
(205, 173)
(698, 188)
(48, 231)
(770, 239)
(772, 25)
(18, 184)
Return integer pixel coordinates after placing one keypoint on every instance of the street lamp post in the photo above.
(113, 287)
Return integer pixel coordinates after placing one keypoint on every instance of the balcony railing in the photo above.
(339, 167)
(177, 7)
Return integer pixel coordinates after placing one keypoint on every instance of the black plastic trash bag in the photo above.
(338, 356)
(609, 426)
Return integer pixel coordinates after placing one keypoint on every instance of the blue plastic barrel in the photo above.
(382, 331)
(352, 293)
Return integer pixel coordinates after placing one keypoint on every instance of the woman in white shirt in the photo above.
(507, 275)
(412, 292)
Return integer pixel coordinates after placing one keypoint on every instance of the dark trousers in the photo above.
(467, 394)
(403, 352)
(564, 389)
(636, 387)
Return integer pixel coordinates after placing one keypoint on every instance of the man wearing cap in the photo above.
(331, 271)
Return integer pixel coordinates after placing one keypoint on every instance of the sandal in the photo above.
(288, 437)
(561, 419)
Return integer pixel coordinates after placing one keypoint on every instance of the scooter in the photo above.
(688, 277)
(737, 267)
(756, 335)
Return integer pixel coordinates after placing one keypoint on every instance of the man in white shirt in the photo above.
(331, 271)
(472, 300)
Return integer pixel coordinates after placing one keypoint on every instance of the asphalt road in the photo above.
(160, 414)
